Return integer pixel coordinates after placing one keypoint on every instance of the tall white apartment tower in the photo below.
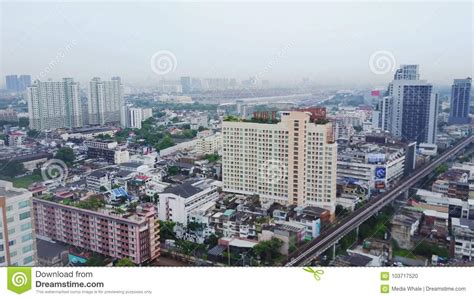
(292, 161)
(17, 239)
(136, 118)
(105, 101)
(53, 105)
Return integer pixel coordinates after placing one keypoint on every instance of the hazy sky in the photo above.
(331, 43)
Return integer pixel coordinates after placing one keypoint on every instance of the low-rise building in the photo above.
(98, 180)
(453, 183)
(404, 225)
(209, 145)
(463, 232)
(372, 166)
(118, 235)
(177, 202)
(292, 234)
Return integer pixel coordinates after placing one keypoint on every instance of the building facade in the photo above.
(105, 101)
(460, 99)
(371, 166)
(292, 161)
(410, 110)
(17, 239)
(177, 203)
(134, 236)
(53, 105)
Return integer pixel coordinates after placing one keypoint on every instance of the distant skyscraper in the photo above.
(105, 101)
(24, 81)
(460, 98)
(53, 105)
(412, 107)
(11, 82)
(186, 84)
(17, 83)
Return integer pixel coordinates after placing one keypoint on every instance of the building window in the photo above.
(24, 215)
(25, 226)
(27, 249)
(23, 204)
(26, 238)
(28, 260)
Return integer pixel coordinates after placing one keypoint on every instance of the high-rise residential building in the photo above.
(17, 239)
(411, 106)
(133, 117)
(24, 81)
(53, 105)
(136, 118)
(460, 98)
(130, 235)
(381, 116)
(147, 113)
(17, 83)
(105, 101)
(11, 82)
(186, 84)
(407, 72)
(291, 161)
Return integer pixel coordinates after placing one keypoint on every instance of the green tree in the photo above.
(166, 142)
(441, 169)
(212, 157)
(32, 133)
(125, 262)
(269, 251)
(173, 170)
(24, 122)
(11, 169)
(212, 240)
(427, 249)
(95, 261)
(167, 230)
(65, 154)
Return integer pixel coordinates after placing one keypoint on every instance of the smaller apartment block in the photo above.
(129, 235)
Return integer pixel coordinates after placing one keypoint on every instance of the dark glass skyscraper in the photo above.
(460, 97)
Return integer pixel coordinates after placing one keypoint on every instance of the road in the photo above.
(320, 244)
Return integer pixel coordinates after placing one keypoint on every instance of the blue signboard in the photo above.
(380, 173)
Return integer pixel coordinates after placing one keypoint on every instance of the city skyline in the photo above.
(279, 48)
